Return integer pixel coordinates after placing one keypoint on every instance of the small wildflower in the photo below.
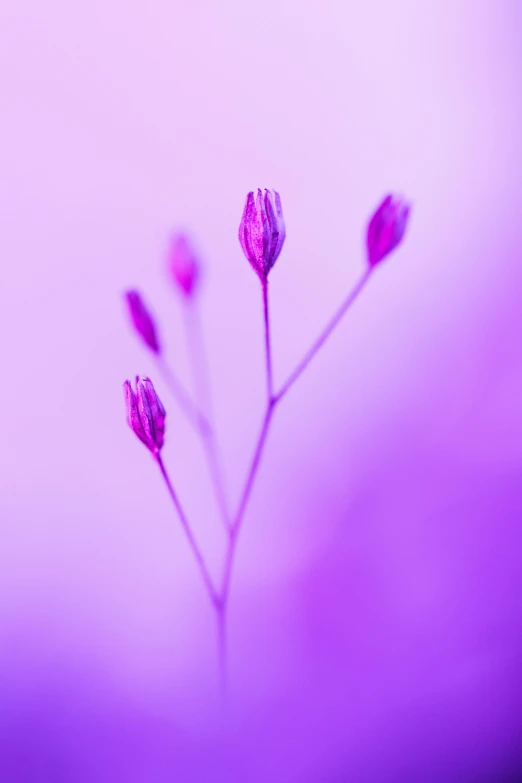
(145, 413)
(262, 231)
(386, 228)
(142, 320)
(183, 264)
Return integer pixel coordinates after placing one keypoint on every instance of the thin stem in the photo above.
(268, 348)
(213, 595)
(178, 391)
(258, 452)
(222, 609)
(214, 463)
(235, 526)
(222, 649)
(198, 360)
(254, 467)
(303, 364)
(220, 600)
(273, 401)
(245, 496)
(203, 396)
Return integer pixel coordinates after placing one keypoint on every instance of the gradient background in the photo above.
(377, 600)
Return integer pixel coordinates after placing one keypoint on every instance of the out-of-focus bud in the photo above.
(183, 264)
(142, 320)
(386, 228)
(145, 413)
(262, 231)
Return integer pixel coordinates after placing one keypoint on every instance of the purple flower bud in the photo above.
(386, 228)
(142, 320)
(145, 413)
(183, 264)
(262, 231)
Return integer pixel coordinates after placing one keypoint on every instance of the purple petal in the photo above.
(272, 233)
(262, 230)
(276, 225)
(157, 411)
(133, 417)
(246, 233)
(145, 414)
(260, 233)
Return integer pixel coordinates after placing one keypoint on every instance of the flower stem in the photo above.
(249, 483)
(235, 526)
(182, 397)
(272, 402)
(268, 348)
(197, 355)
(303, 364)
(213, 595)
(203, 396)
(215, 467)
(220, 600)
(222, 649)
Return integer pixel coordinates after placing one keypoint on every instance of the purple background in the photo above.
(377, 606)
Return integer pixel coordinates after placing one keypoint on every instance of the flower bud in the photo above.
(145, 413)
(183, 264)
(262, 231)
(386, 228)
(142, 320)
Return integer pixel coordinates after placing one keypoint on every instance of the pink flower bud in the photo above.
(262, 231)
(183, 264)
(386, 228)
(145, 413)
(142, 320)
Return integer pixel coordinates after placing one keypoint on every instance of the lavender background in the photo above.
(377, 604)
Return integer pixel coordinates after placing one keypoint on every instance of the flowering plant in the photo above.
(261, 234)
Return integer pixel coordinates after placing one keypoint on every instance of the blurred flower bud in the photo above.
(183, 264)
(142, 320)
(386, 228)
(145, 413)
(262, 231)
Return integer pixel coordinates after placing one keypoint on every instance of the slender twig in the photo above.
(213, 594)
(220, 599)
(204, 400)
(247, 489)
(196, 417)
(303, 364)
(205, 430)
(268, 348)
(272, 402)
(274, 399)
(222, 649)
(245, 495)
(215, 597)
(270, 406)
(215, 466)
(197, 356)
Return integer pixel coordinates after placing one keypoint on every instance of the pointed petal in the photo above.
(245, 231)
(157, 411)
(272, 231)
(145, 414)
(276, 221)
(133, 417)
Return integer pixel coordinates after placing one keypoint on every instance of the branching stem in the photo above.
(220, 598)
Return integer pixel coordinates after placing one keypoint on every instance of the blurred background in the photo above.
(375, 619)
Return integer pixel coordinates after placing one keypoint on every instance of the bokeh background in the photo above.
(375, 628)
